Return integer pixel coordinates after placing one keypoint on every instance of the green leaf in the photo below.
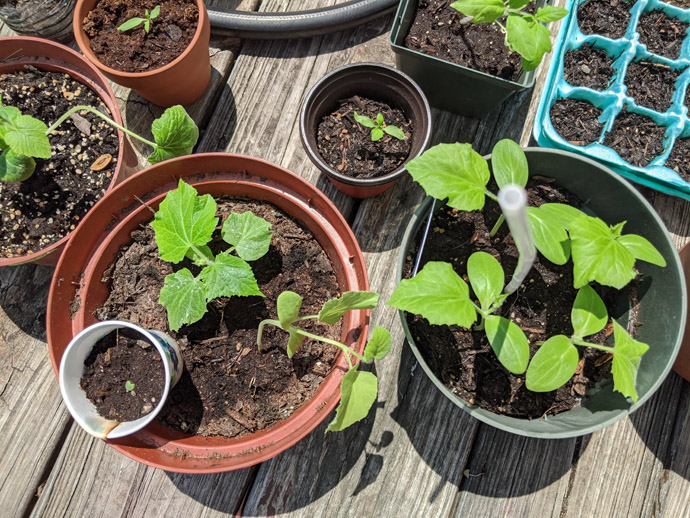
(394, 131)
(438, 294)
(183, 220)
(379, 344)
(27, 136)
(553, 365)
(550, 13)
(358, 394)
(520, 37)
(626, 360)
(334, 309)
(8, 114)
(184, 297)
(155, 12)
(481, 11)
(642, 249)
(229, 276)
(563, 214)
(207, 256)
(508, 342)
(248, 233)
(379, 120)
(147, 26)
(175, 134)
(294, 342)
(14, 167)
(509, 164)
(550, 238)
(486, 277)
(288, 305)
(589, 314)
(364, 121)
(129, 386)
(376, 134)
(131, 24)
(454, 171)
(518, 4)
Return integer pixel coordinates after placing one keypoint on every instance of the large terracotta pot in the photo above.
(182, 81)
(76, 291)
(18, 52)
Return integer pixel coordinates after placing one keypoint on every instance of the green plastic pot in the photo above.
(662, 308)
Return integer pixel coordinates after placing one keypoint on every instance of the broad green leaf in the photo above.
(549, 236)
(394, 131)
(131, 24)
(175, 134)
(155, 12)
(294, 342)
(518, 4)
(229, 276)
(509, 164)
(562, 213)
(438, 294)
(379, 344)
(642, 249)
(520, 37)
(27, 136)
(8, 114)
(589, 314)
(508, 342)
(183, 220)
(486, 277)
(542, 35)
(550, 13)
(248, 233)
(454, 171)
(358, 394)
(364, 120)
(288, 305)
(481, 11)
(15, 168)
(553, 365)
(334, 309)
(626, 359)
(376, 134)
(184, 297)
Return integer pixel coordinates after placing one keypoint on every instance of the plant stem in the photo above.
(491, 195)
(260, 330)
(201, 258)
(582, 343)
(344, 347)
(498, 224)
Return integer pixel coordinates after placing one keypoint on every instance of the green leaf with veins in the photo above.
(454, 171)
(358, 394)
(520, 37)
(550, 237)
(175, 134)
(184, 298)
(379, 344)
(438, 294)
(334, 309)
(509, 164)
(518, 4)
(376, 134)
(26, 136)
(642, 249)
(288, 306)
(15, 168)
(229, 276)
(562, 213)
(481, 11)
(249, 234)
(626, 360)
(395, 132)
(550, 13)
(508, 342)
(486, 278)
(589, 314)
(553, 365)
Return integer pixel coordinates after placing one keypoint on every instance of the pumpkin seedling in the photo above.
(129, 386)
(358, 388)
(133, 23)
(378, 128)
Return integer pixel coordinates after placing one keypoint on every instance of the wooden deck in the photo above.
(418, 455)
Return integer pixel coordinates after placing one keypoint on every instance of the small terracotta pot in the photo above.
(18, 52)
(182, 81)
(76, 283)
(374, 81)
(682, 364)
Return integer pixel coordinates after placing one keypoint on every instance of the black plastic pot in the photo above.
(662, 296)
(449, 86)
(377, 82)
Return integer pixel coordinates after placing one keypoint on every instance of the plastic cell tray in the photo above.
(613, 100)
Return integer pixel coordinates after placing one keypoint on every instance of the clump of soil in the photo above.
(44, 208)
(661, 34)
(576, 121)
(609, 18)
(636, 138)
(346, 145)
(678, 158)
(437, 31)
(121, 357)
(588, 67)
(229, 387)
(651, 84)
(136, 50)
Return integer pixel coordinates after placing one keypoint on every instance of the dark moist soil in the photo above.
(464, 360)
(661, 34)
(588, 67)
(651, 84)
(437, 31)
(228, 387)
(678, 158)
(44, 208)
(135, 50)
(683, 4)
(121, 356)
(609, 18)
(346, 145)
(636, 138)
(576, 121)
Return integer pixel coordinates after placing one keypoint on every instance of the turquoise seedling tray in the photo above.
(612, 101)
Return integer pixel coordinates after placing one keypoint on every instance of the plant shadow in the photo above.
(24, 296)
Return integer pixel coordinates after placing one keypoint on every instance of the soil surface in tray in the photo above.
(118, 358)
(135, 50)
(588, 67)
(228, 387)
(44, 208)
(346, 145)
(463, 360)
(576, 121)
(609, 18)
(651, 85)
(678, 158)
(661, 34)
(437, 31)
(636, 138)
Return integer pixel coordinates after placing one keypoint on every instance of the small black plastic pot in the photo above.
(377, 82)
(662, 296)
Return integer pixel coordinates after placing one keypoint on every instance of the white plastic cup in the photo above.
(72, 368)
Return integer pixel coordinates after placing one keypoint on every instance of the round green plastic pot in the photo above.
(662, 296)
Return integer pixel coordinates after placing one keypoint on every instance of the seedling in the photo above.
(378, 128)
(184, 225)
(524, 32)
(358, 388)
(23, 138)
(129, 386)
(133, 23)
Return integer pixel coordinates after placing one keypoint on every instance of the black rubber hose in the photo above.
(313, 22)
